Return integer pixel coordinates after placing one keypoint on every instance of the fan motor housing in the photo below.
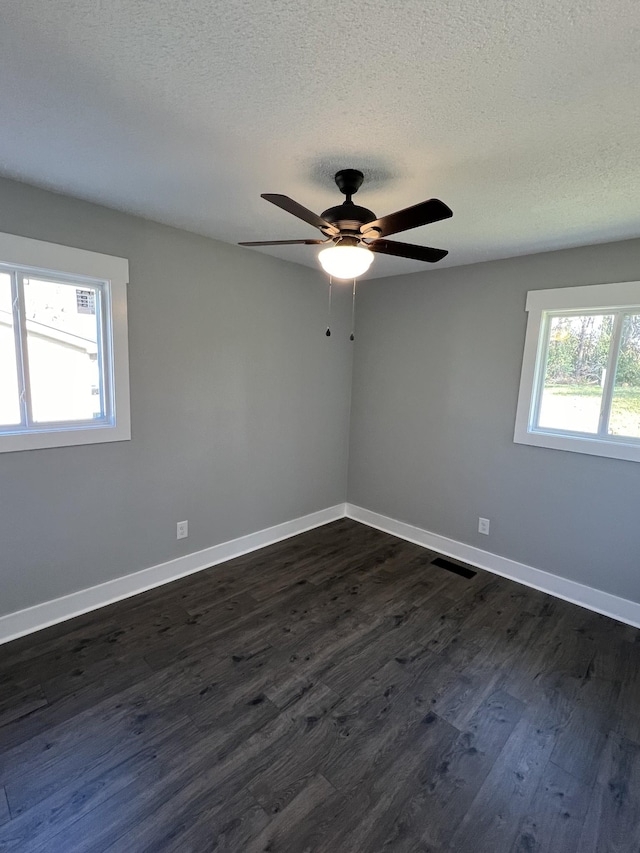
(348, 217)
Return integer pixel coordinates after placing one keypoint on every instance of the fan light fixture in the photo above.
(345, 262)
(355, 231)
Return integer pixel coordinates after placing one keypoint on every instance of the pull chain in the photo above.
(352, 336)
(328, 332)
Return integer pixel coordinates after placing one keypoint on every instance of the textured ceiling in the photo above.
(523, 116)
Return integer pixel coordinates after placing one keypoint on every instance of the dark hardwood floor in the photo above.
(334, 692)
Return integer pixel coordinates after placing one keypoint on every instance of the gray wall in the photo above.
(239, 403)
(435, 384)
(240, 413)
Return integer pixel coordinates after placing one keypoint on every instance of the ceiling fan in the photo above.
(353, 233)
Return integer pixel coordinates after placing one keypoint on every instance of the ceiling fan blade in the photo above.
(408, 250)
(424, 213)
(291, 206)
(285, 242)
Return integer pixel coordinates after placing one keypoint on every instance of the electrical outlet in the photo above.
(483, 526)
(182, 530)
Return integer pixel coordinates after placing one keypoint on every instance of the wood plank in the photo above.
(426, 810)
(581, 740)
(558, 810)
(230, 829)
(21, 704)
(345, 743)
(372, 822)
(33, 770)
(106, 642)
(105, 776)
(225, 832)
(493, 819)
(628, 672)
(202, 777)
(446, 796)
(283, 829)
(613, 816)
(498, 649)
(86, 695)
(5, 814)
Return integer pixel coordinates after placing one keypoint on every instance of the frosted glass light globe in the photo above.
(345, 261)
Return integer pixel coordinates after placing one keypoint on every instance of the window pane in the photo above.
(62, 343)
(9, 389)
(625, 404)
(576, 364)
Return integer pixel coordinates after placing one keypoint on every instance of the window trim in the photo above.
(614, 298)
(112, 274)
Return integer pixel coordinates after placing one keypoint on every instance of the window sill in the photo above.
(39, 439)
(618, 449)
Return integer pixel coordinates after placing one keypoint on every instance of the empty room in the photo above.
(319, 427)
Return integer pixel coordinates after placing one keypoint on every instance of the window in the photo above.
(580, 383)
(63, 346)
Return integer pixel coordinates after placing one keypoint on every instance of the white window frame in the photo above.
(542, 306)
(110, 275)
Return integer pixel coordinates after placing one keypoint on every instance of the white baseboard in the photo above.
(31, 619)
(586, 596)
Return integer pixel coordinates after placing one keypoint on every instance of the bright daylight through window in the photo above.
(580, 385)
(63, 346)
